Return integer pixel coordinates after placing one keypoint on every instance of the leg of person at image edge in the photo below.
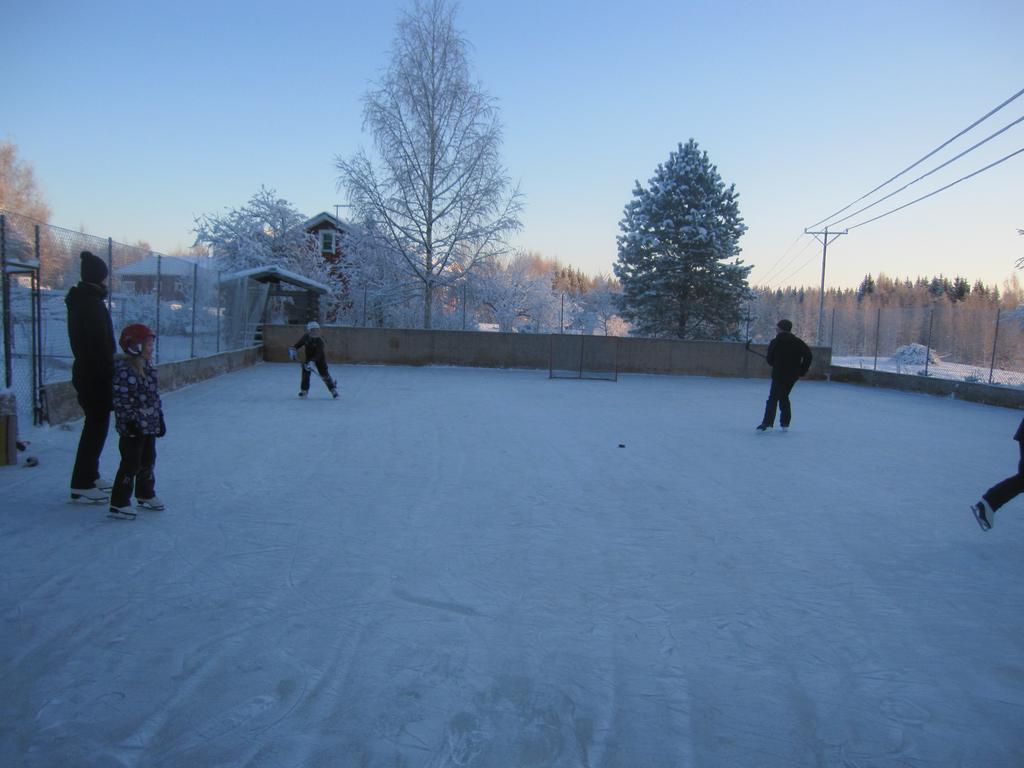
(778, 397)
(86, 483)
(145, 478)
(995, 497)
(304, 385)
(325, 374)
(138, 457)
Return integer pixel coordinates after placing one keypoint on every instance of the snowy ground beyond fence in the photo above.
(461, 567)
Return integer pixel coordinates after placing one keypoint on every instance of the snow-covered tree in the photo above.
(381, 289)
(598, 308)
(268, 230)
(677, 254)
(515, 293)
(439, 194)
(19, 192)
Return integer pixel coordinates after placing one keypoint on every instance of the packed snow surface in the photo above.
(459, 567)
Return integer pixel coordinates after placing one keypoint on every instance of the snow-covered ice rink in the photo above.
(461, 567)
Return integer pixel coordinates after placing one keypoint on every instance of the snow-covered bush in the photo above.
(914, 354)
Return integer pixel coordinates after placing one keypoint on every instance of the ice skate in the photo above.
(763, 427)
(302, 394)
(121, 513)
(983, 513)
(153, 504)
(89, 495)
(104, 484)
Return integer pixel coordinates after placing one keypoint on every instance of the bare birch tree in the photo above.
(439, 194)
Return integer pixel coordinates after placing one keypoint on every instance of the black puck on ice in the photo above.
(622, 445)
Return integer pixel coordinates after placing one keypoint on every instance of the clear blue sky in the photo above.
(139, 116)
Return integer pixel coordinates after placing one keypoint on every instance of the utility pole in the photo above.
(825, 237)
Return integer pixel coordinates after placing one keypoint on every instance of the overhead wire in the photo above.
(940, 189)
(800, 268)
(918, 162)
(775, 265)
(778, 281)
(926, 175)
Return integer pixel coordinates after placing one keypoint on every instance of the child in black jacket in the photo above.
(316, 356)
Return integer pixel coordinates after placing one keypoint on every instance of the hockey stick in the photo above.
(753, 351)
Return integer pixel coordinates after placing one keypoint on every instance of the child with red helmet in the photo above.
(139, 419)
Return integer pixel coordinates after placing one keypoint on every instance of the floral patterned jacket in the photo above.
(136, 399)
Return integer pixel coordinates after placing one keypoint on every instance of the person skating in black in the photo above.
(316, 356)
(91, 334)
(790, 358)
(1000, 493)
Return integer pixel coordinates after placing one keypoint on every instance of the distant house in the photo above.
(328, 230)
(175, 275)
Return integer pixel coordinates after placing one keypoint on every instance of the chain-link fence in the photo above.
(944, 341)
(194, 310)
(400, 305)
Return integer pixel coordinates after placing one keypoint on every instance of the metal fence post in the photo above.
(195, 297)
(831, 333)
(220, 293)
(8, 362)
(110, 271)
(878, 328)
(928, 348)
(995, 340)
(159, 282)
(37, 340)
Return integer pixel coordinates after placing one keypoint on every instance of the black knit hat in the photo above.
(93, 268)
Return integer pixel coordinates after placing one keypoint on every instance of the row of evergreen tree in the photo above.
(883, 290)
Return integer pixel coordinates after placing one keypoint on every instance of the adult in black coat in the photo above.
(1000, 493)
(790, 358)
(91, 333)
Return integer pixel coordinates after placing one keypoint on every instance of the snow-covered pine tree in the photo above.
(678, 235)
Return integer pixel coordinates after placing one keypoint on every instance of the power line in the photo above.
(914, 165)
(941, 189)
(926, 175)
(775, 264)
(799, 269)
(778, 280)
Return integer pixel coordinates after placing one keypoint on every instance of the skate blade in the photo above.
(984, 524)
(77, 498)
(121, 515)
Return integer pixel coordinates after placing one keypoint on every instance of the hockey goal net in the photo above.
(584, 357)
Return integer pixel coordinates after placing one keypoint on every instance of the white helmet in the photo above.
(312, 325)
